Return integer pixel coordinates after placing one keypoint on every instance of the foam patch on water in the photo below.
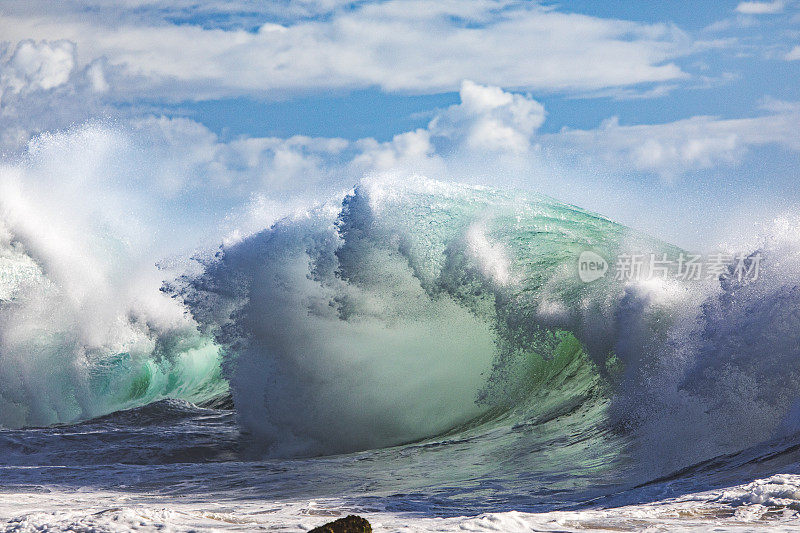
(767, 503)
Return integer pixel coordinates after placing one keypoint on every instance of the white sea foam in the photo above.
(767, 503)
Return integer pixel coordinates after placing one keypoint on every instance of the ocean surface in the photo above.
(424, 354)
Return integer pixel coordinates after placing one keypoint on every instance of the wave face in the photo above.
(407, 310)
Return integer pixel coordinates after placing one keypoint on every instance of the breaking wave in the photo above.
(416, 308)
(407, 309)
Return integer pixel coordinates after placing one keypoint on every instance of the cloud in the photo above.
(399, 45)
(221, 14)
(779, 106)
(793, 54)
(491, 136)
(760, 8)
(43, 88)
(672, 149)
(186, 179)
(190, 160)
(35, 66)
(491, 133)
(489, 118)
(183, 168)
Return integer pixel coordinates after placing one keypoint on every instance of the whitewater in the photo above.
(406, 349)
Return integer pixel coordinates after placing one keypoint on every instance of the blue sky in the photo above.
(679, 118)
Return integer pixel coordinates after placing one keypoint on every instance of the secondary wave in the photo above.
(84, 329)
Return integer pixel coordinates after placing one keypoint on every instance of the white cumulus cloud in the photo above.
(489, 118)
(398, 45)
(42, 88)
(493, 136)
(675, 148)
(42, 65)
(760, 8)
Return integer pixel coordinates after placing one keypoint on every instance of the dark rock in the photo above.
(349, 524)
